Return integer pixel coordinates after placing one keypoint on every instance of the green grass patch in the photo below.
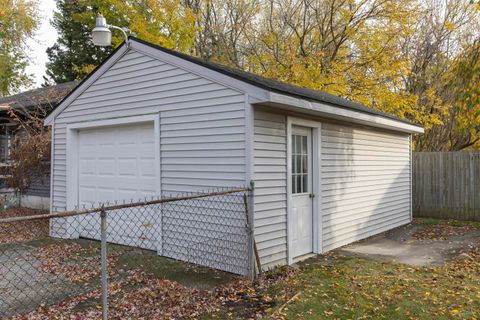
(186, 274)
(353, 288)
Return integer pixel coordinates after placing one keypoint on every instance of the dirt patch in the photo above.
(25, 230)
(417, 245)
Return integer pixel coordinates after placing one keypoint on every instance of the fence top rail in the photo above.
(181, 197)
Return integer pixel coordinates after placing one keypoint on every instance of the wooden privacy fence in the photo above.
(446, 185)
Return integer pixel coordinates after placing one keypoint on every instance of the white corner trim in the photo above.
(52, 163)
(316, 184)
(72, 149)
(411, 177)
(86, 84)
(249, 144)
(289, 192)
(343, 114)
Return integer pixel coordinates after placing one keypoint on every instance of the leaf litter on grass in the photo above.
(136, 294)
(355, 288)
(441, 232)
(24, 230)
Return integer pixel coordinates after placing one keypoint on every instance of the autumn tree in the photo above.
(73, 56)
(442, 74)
(223, 30)
(402, 57)
(408, 57)
(30, 150)
(18, 22)
(348, 48)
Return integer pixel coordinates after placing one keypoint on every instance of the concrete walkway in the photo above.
(23, 287)
(403, 246)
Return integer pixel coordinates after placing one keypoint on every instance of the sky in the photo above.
(44, 38)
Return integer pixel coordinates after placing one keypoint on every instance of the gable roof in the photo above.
(278, 86)
(254, 80)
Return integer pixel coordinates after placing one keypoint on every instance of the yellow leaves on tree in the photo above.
(18, 22)
(399, 57)
(167, 23)
(351, 49)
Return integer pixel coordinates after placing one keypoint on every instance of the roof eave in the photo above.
(334, 112)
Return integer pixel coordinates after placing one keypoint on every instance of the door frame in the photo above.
(72, 149)
(316, 190)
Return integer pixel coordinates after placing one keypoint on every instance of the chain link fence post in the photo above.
(103, 229)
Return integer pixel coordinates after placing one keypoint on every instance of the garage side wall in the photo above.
(365, 183)
(202, 123)
(270, 170)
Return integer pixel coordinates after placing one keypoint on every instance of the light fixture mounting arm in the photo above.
(124, 31)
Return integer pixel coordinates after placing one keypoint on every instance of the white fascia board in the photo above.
(327, 111)
(86, 84)
(252, 91)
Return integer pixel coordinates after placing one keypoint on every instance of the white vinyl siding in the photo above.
(270, 173)
(202, 123)
(365, 183)
(364, 172)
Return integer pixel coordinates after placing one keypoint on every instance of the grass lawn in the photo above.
(333, 286)
(341, 287)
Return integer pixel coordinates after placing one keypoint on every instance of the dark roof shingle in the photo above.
(44, 96)
(279, 87)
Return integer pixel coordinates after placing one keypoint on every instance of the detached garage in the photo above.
(150, 121)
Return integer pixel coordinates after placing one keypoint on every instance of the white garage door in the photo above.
(115, 164)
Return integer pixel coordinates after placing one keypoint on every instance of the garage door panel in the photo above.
(118, 164)
(105, 167)
(147, 167)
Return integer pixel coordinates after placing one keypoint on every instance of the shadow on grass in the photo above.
(129, 258)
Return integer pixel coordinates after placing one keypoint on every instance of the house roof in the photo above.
(278, 86)
(251, 79)
(44, 96)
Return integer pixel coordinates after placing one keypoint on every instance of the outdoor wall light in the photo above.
(101, 34)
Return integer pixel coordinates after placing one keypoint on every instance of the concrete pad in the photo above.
(400, 245)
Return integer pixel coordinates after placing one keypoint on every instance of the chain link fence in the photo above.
(61, 257)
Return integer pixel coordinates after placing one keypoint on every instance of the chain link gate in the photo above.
(210, 231)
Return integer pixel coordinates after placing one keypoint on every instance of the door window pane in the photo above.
(300, 164)
(305, 183)
(299, 184)
(304, 164)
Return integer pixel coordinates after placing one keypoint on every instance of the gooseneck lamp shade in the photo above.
(101, 34)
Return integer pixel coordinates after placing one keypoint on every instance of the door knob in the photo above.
(311, 195)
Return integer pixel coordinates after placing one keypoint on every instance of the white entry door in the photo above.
(301, 216)
(118, 163)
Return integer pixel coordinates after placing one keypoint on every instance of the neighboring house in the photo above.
(45, 98)
(327, 171)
